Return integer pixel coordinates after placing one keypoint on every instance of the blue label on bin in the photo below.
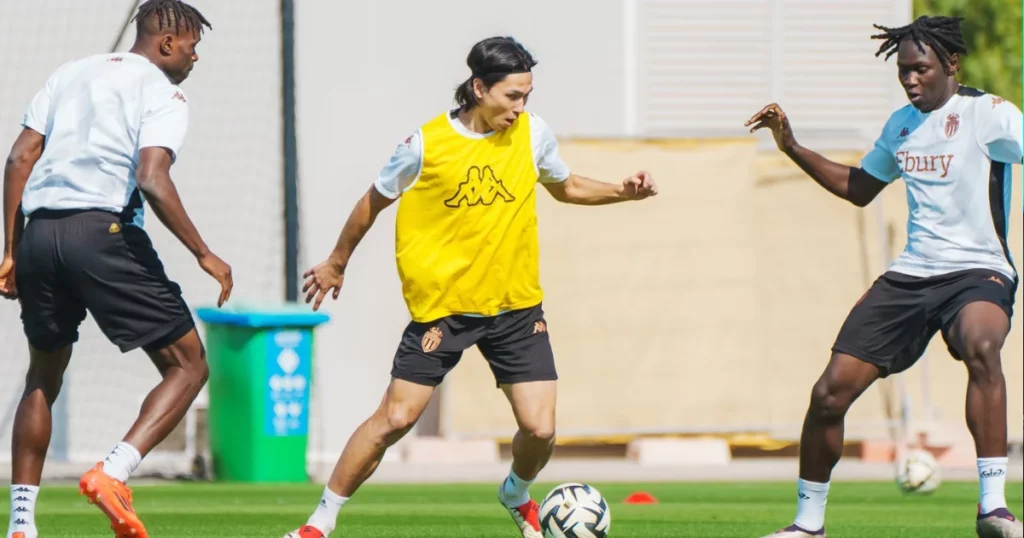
(289, 357)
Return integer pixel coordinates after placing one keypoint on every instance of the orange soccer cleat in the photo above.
(114, 498)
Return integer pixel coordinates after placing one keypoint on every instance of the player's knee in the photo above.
(399, 419)
(201, 372)
(982, 357)
(828, 402)
(540, 432)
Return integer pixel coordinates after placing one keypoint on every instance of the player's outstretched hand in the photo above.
(324, 277)
(7, 288)
(639, 186)
(221, 271)
(775, 119)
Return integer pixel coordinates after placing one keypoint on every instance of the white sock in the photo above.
(326, 514)
(992, 475)
(23, 510)
(515, 491)
(810, 505)
(122, 462)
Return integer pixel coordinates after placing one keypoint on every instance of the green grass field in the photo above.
(856, 510)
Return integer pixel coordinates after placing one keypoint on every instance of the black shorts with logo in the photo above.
(70, 262)
(897, 317)
(515, 344)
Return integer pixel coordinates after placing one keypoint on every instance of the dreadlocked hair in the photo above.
(169, 13)
(942, 34)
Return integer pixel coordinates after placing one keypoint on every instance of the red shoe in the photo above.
(527, 518)
(115, 500)
(305, 531)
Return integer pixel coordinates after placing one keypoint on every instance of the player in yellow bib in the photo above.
(467, 254)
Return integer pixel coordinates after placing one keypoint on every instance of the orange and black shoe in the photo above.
(114, 498)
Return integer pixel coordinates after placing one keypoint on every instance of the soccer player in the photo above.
(97, 140)
(954, 147)
(467, 255)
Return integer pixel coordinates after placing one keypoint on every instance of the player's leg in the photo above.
(518, 351)
(184, 371)
(885, 333)
(122, 282)
(30, 438)
(533, 404)
(975, 334)
(51, 316)
(425, 355)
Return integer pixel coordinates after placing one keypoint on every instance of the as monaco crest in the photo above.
(952, 125)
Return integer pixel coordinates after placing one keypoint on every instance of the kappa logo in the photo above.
(904, 133)
(952, 125)
(179, 96)
(996, 101)
(431, 339)
(116, 59)
(481, 187)
(540, 327)
(996, 280)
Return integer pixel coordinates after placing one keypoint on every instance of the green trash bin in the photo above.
(261, 370)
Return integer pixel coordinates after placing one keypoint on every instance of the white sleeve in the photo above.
(550, 166)
(1000, 130)
(403, 168)
(164, 119)
(881, 162)
(38, 112)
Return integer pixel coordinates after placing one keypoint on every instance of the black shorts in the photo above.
(515, 344)
(897, 317)
(69, 262)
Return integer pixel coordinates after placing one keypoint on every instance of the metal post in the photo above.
(291, 191)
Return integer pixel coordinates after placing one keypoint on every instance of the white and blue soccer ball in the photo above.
(918, 472)
(575, 511)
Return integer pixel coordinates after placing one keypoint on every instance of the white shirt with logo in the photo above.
(96, 114)
(403, 168)
(956, 163)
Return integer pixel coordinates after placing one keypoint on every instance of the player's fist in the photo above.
(326, 276)
(220, 271)
(639, 186)
(7, 287)
(773, 117)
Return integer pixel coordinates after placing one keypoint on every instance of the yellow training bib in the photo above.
(466, 231)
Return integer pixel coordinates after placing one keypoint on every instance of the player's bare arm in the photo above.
(851, 184)
(25, 152)
(580, 190)
(329, 275)
(154, 180)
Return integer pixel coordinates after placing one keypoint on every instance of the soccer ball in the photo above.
(575, 511)
(918, 472)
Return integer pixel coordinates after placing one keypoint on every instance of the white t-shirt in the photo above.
(956, 163)
(403, 169)
(96, 114)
